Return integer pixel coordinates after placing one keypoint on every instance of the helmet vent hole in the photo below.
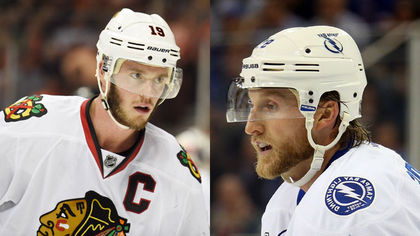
(150, 58)
(135, 48)
(311, 92)
(115, 43)
(307, 67)
(174, 53)
(354, 94)
(252, 79)
(273, 66)
(311, 100)
(119, 40)
(308, 50)
(138, 46)
(119, 27)
(164, 60)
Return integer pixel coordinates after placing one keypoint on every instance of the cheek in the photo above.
(291, 131)
(285, 128)
(122, 96)
(299, 132)
(155, 101)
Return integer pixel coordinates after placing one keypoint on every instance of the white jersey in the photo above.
(369, 190)
(279, 210)
(56, 180)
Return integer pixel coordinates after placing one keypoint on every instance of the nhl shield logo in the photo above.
(110, 161)
(346, 195)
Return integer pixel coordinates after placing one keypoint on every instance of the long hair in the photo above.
(355, 133)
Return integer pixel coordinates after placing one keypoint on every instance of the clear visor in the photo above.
(255, 104)
(146, 80)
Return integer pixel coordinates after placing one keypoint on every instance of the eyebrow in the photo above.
(133, 68)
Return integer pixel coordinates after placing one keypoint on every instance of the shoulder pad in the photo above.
(24, 109)
(186, 161)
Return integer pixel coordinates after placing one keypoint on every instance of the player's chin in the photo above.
(266, 170)
(44, 230)
(264, 174)
(137, 125)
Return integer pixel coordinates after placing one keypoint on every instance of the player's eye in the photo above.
(249, 104)
(136, 75)
(271, 107)
(160, 80)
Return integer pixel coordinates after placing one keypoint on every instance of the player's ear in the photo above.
(101, 72)
(101, 75)
(326, 116)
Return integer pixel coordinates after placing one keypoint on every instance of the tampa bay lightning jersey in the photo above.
(366, 190)
(279, 210)
(56, 180)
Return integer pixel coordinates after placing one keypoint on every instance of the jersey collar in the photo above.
(93, 144)
(336, 155)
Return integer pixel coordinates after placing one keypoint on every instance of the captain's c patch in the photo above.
(25, 109)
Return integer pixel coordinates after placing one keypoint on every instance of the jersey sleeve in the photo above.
(20, 156)
(369, 193)
(194, 220)
(7, 169)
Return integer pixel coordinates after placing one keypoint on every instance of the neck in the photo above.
(109, 135)
(300, 169)
(327, 157)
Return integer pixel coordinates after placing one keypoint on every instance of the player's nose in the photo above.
(148, 87)
(254, 127)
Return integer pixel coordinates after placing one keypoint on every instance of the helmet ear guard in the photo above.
(312, 61)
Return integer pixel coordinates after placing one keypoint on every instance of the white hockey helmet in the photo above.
(143, 38)
(311, 61)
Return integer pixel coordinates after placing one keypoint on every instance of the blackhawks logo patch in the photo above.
(186, 161)
(92, 215)
(25, 109)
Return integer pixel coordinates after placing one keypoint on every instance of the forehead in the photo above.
(133, 65)
(280, 94)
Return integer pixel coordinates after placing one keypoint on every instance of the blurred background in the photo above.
(388, 35)
(49, 47)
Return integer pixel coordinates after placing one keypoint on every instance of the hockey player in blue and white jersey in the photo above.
(71, 166)
(300, 93)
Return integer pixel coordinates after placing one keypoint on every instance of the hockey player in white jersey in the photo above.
(71, 166)
(300, 93)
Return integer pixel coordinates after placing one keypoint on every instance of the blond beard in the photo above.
(283, 156)
(121, 116)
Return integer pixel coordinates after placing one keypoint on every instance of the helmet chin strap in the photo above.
(319, 152)
(105, 103)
